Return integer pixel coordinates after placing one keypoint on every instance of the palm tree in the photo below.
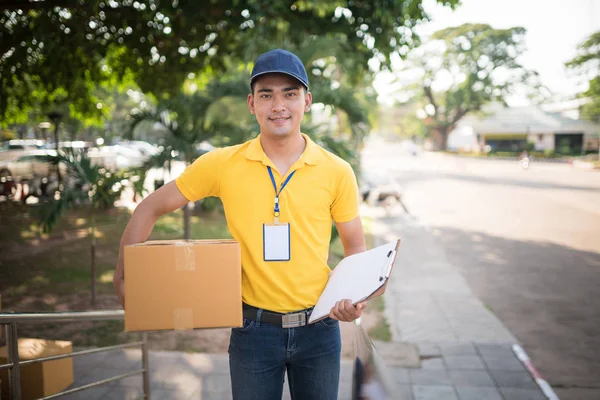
(187, 119)
(84, 184)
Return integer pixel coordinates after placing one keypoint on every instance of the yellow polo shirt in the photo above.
(322, 190)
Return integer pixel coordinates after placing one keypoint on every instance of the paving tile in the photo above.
(470, 378)
(464, 362)
(101, 374)
(178, 382)
(174, 395)
(399, 375)
(216, 383)
(89, 361)
(478, 393)
(123, 393)
(502, 362)
(422, 392)
(458, 348)
(511, 379)
(402, 392)
(433, 363)
(522, 394)
(128, 358)
(495, 348)
(131, 381)
(429, 349)
(95, 393)
(429, 377)
(210, 396)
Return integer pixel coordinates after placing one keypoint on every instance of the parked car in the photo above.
(116, 157)
(26, 166)
(13, 149)
(147, 149)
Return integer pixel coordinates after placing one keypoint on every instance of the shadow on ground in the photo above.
(546, 294)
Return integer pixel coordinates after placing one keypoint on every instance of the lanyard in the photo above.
(277, 193)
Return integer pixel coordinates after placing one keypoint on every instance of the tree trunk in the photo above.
(93, 261)
(440, 137)
(186, 221)
(56, 144)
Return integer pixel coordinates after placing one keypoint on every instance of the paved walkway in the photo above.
(465, 351)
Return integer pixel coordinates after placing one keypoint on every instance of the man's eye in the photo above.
(265, 96)
(291, 94)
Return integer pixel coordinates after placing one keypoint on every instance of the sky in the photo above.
(554, 29)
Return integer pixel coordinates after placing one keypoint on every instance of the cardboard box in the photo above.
(40, 379)
(182, 285)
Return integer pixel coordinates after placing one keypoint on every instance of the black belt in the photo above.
(289, 320)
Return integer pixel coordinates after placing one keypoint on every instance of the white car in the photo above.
(116, 157)
(145, 148)
(25, 166)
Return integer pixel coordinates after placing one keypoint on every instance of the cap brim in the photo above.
(305, 84)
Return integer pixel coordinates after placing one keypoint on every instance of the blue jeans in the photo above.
(260, 354)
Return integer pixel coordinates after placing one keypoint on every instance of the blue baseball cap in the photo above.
(281, 62)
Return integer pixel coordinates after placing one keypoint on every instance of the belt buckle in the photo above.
(293, 320)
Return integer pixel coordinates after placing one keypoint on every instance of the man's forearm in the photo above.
(138, 229)
(358, 248)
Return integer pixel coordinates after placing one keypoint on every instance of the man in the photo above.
(280, 192)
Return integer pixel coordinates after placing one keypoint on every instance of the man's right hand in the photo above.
(119, 285)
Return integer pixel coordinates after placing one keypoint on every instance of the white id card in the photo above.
(276, 242)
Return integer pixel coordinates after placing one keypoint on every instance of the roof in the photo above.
(529, 119)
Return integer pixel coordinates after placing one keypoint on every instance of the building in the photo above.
(511, 129)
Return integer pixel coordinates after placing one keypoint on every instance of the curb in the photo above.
(537, 377)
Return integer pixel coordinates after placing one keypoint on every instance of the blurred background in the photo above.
(477, 119)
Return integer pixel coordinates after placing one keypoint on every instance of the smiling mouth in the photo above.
(279, 119)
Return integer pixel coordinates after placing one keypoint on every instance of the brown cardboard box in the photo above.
(40, 379)
(181, 285)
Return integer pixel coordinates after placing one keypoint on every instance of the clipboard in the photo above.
(358, 277)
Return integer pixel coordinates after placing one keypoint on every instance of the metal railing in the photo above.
(10, 321)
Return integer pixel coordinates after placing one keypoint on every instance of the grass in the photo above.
(381, 330)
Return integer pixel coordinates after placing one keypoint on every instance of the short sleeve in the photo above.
(201, 179)
(345, 205)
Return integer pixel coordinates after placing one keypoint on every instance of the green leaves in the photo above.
(588, 62)
(80, 44)
(84, 183)
(480, 65)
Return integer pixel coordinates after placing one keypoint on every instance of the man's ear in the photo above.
(251, 104)
(307, 101)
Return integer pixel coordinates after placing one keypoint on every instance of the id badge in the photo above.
(276, 242)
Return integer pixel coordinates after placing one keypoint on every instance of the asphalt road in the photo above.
(528, 243)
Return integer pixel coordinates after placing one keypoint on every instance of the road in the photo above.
(528, 243)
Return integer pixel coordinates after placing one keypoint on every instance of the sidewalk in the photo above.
(465, 351)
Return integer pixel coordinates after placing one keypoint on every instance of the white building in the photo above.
(510, 129)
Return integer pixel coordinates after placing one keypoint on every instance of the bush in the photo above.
(211, 204)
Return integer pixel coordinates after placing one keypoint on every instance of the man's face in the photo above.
(279, 104)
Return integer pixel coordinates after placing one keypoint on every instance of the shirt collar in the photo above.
(310, 156)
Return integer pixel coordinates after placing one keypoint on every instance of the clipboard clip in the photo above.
(390, 261)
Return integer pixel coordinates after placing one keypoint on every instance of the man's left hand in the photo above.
(345, 311)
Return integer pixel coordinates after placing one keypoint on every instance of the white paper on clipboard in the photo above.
(356, 277)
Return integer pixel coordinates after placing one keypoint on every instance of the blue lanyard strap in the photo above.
(277, 193)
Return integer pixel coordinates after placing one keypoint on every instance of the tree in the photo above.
(466, 67)
(85, 184)
(50, 50)
(588, 62)
(186, 119)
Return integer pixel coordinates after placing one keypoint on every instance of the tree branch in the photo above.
(459, 114)
(429, 94)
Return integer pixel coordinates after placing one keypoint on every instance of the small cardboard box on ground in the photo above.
(44, 378)
(181, 285)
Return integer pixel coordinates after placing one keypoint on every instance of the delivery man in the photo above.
(280, 192)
